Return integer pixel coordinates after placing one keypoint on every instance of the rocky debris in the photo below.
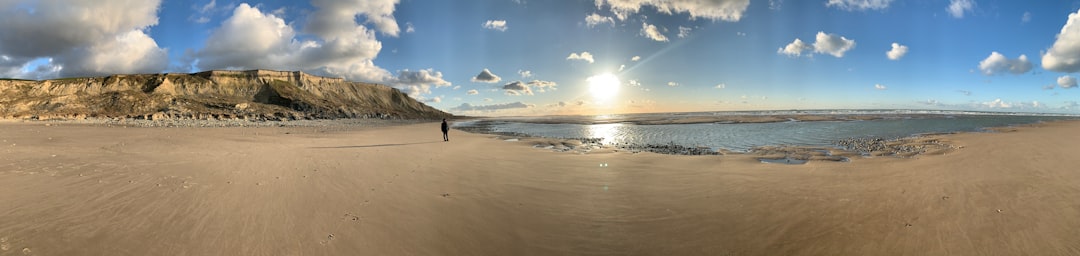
(900, 147)
(671, 149)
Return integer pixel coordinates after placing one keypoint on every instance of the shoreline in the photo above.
(842, 150)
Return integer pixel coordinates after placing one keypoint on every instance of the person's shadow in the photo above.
(382, 145)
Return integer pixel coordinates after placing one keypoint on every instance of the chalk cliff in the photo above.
(252, 95)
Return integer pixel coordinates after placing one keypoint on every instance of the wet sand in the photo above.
(91, 190)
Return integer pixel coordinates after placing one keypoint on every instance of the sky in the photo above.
(561, 57)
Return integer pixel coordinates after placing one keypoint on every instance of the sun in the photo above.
(603, 86)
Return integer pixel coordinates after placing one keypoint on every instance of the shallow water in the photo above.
(744, 136)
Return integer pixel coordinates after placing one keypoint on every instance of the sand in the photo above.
(91, 190)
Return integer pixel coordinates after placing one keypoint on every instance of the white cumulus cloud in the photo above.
(635, 58)
(486, 76)
(880, 87)
(79, 38)
(684, 31)
(472, 92)
(419, 82)
(859, 5)
(333, 42)
(831, 44)
(997, 63)
(898, 51)
(585, 56)
(957, 8)
(1064, 55)
(650, 31)
(1066, 82)
(499, 25)
(795, 48)
(594, 19)
(543, 86)
(525, 73)
(517, 88)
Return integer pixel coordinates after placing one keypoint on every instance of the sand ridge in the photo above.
(400, 190)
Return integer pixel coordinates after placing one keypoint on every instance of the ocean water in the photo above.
(744, 136)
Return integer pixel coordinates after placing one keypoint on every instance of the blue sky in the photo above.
(666, 55)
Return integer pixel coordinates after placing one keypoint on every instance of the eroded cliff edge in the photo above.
(250, 95)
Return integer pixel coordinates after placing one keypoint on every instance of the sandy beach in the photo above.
(70, 189)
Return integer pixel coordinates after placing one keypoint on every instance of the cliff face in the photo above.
(253, 94)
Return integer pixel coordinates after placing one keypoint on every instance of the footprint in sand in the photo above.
(26, 251)
(328, 239)
(4, 245)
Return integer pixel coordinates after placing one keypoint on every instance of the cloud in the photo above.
(672, 84)
(859, 5)
(493, 107)
(1064, 55)
(635, 58)
(202, 13)
(336, 19)
(880, 87)
(996, 103)
(831, 44)
(795, 48)
(525, 73)
(78, 38)
(1025, 18)
(332, 43)
(684, 31)
(594, 19)
(957, 8)
(721, 86)
(651, 32)
(499, 25)
(409, 28)
(517, 88)
(965, 93)
(586, 56)
(419, 82)
(1066, 82)
(726, 10)
(898, 51)
(997, 63)
(472, 92)
(543, 86)
(486, 76)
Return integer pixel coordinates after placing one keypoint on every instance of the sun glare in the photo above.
(604, 86)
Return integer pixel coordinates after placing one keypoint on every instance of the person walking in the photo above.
(445, 130)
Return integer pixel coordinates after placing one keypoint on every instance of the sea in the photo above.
(742, 137)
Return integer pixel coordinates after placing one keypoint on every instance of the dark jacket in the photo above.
(445, 127)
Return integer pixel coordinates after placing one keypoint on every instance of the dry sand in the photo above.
(89, 190)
